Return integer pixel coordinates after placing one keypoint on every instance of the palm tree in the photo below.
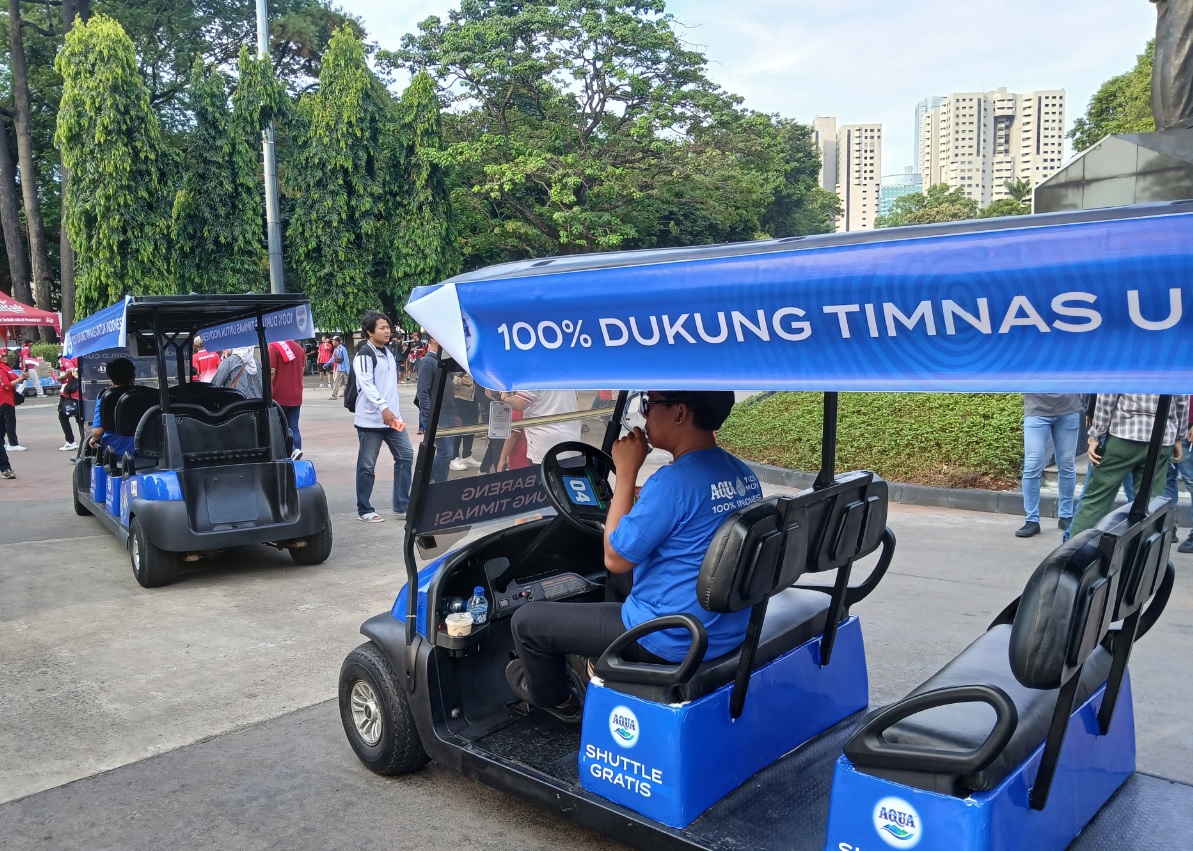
(1018, 190)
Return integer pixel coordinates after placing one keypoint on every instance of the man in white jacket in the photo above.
(377, 419)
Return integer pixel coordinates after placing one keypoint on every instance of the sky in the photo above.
(872, 62)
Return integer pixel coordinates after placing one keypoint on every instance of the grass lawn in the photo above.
(963, 440)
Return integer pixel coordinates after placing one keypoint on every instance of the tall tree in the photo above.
(117, 210)
(575, 112)
(420, 232)
(1123, 104)
(71, 9)
(939, 203)
(10, 217)
(337, 220)
(22, 114)
(219, 245)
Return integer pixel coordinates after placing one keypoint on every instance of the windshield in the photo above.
(489, 448)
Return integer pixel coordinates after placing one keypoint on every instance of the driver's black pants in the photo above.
(545, 632)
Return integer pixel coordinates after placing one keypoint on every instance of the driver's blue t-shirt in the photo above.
(666, 535)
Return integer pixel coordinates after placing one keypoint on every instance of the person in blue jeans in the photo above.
(1181, 471)
(1056, 416)
(377, 419)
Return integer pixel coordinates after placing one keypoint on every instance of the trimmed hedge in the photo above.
(962, 440)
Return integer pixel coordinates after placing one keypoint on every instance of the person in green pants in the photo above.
(1124, 421)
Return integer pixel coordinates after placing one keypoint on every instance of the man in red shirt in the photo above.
(325, 350)
(286, 361)
(205, 364)
(8, 414)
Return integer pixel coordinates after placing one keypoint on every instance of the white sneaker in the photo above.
(66, 447)
(471, 462)
(457, 464)
(17, 448)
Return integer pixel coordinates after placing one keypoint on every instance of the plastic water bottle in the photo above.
(478, 606)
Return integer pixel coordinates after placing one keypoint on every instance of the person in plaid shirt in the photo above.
(1124, 421)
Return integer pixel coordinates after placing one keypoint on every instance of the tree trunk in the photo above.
(28, 172)
(14, 242)
(66, 272)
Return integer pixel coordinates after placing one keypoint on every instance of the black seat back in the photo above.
(845, 521)
(187, 390)
(757, 551)
(746, 563)
(105, 407)
(131, 407)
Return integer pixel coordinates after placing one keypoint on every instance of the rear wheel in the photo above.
(80, 509)
(376, 714)
(152, 566)
(317, 550)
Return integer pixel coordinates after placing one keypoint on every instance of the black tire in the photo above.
(317, 550)
(152, 567)
(80, 509)
(376, 714)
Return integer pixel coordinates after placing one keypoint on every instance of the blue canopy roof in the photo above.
(223, 321)
(1073, 302)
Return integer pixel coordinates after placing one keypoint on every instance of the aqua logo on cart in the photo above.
(897, 823)
(623, 726)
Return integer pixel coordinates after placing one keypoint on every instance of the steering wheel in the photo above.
(579, 488)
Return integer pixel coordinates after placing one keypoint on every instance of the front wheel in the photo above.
(376, 714)
(317, 549)
(152, 566)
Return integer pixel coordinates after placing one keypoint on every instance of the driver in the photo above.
(662, 539)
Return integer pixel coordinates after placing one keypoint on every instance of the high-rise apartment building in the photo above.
(851, 166)
(921, 109)
(979, 140)
(859, 169)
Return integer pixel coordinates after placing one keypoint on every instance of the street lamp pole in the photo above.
(272, 215)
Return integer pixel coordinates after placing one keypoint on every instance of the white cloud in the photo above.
(874, 61)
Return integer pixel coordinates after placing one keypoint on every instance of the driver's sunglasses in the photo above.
(647, 404)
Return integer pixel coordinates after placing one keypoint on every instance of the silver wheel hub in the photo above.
(366, 712)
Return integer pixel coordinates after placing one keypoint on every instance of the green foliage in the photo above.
(219, 243)
(938, 204)
(1004, 207)
(110, 140)
(947, 439)
(588, 125)
(1122, 105)
(338, 220)
(1019, 190)
(420, 239)
(47, 352)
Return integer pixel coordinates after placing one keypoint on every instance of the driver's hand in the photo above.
(629, 453)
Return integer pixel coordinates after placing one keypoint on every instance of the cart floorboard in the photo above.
(785, 806)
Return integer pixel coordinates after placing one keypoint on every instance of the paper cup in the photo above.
(459, 624)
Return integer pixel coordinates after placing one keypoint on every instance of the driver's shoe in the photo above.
(515, 675)
(579, 672)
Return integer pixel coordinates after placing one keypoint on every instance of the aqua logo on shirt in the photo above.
(723, 490)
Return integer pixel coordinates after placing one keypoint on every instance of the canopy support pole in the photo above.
(828, 444)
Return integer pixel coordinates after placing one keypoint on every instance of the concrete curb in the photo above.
(965, 499)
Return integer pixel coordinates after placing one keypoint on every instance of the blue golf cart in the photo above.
(1025, 740)
(209, 468)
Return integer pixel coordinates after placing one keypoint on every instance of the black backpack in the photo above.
(351, 391)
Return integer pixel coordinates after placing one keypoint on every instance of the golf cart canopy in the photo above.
(223, 321)
(1088, 301)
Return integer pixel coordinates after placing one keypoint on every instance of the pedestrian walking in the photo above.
(444, 446)
(1118, 442)
(1182, 471)
(464, 389)
(378, 420)
(325, 350)
(1056, 416)
(70, 405)
(30, 364)
(204, 364)
(8, 416)
(341, 365)
(285, 366)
